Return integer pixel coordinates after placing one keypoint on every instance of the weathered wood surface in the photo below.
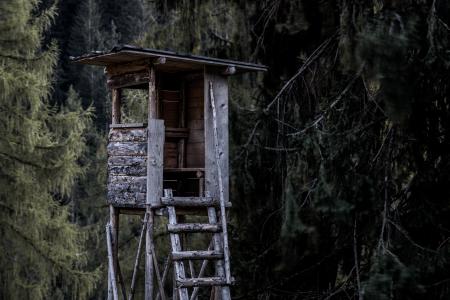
(127, 80)
(217, 246)
(190, 201)
(134, 66)
(127, 148)
(127, 134)
(207, 281)
(221, 102)
(193, 227)
(149, 267)
(136, 184)
(196, 255)
(111, 263)
(133, 170)
(153, 166)
(155, 162)
(176, 247)
(130, 199)
(128, 125)
(220, 177)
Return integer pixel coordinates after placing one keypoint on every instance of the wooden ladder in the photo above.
(215, 252)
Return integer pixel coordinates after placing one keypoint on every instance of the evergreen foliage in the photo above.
(43, 254)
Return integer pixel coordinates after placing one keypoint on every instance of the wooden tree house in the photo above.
(175, 164)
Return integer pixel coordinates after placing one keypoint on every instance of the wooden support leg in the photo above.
(138, 257)
(149, 267)
(111, 269)
(114, 223)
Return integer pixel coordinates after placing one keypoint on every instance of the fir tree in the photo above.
(42, 253)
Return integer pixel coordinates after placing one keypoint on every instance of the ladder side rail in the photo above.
(226, 250)
(217, 246)
(180, 273)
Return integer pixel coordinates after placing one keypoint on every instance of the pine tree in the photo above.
(42, 253)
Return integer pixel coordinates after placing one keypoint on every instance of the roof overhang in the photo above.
(166, 61)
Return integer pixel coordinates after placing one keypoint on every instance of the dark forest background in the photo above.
(340, 153)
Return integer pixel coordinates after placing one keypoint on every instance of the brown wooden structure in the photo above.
(182, 150)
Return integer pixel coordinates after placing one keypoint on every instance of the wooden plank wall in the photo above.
(195, 147)
(220, 85)
(127, 167)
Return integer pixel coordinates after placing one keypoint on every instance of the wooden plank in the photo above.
(135, 184)
(127, 149)
(177, 132)
(196, 255)
(127, 161)
(130, 67)
(132, 134)
(189, 201)
(127, 199)
(221, 103)
(207, 281)
(128, 125)
(154, 176)
(193, 227)
(155, 162)
(127, 170)
(127, 80)
(126, 166)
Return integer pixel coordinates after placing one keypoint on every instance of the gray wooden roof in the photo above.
(174, 61)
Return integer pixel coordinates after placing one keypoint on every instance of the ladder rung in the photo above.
(193, 227)
(207, 281)
(191, 255)
(191, 201)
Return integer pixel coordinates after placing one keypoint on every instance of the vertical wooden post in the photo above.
(114, 223)
(116, 102)
(211, 168)
(182, 124)
(114, 212)
(149, 268)
(151, 195)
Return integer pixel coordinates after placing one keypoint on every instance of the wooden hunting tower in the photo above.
(174, 165)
